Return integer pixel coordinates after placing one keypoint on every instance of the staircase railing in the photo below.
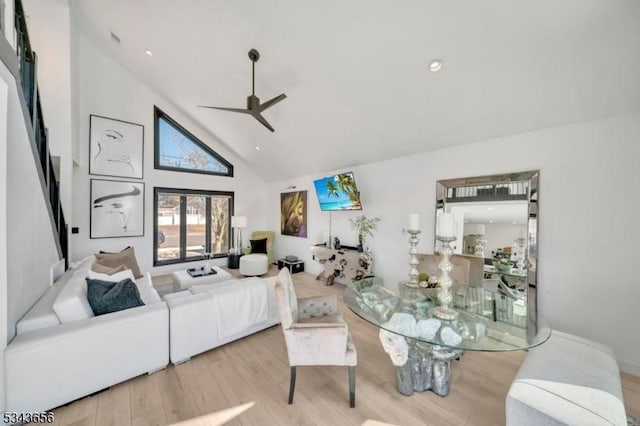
(27, 62)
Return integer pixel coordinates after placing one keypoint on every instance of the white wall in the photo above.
(500, 236)
(4, 99)
(9, 21)
(589, 180)
(49, 32)
(105, 88)
(30, 236)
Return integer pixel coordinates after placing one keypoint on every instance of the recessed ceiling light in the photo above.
(257, 148)
(490, 221)
(148, 53)
(514, 223)
(435, 65)
(490, 208)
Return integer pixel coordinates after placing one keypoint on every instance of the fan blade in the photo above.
(244, 111)
(271, 102)
(262, 120)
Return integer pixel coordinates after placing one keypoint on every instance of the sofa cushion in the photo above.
(106, 297)
(148, 295)
(82, 263)
(83, 267)
(96, 267)
(145, 281)
(71, 304)
(114, 278)
(126, 257)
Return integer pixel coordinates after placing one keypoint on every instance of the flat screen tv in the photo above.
(338, 192)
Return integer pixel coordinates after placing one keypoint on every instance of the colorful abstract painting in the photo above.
(293, 213)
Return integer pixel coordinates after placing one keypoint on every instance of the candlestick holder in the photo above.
(444, 294)
(518, 254)
(413, 259)
(479, 248)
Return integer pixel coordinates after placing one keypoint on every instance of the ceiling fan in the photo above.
(254, 107)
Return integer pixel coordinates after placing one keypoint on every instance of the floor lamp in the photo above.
(237, 223)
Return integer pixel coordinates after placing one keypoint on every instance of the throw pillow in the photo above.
(106, 297)
(96, 267)
(259, 246)
(126, 257)
(113, 278)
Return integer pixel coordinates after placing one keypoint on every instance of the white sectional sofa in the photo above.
(62, 352)
(210, 315)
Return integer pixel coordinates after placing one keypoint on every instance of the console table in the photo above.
(342, 265)
(422, 346)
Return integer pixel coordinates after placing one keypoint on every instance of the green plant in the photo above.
(364, 226)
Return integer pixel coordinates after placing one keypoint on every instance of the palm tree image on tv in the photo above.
(338, 192)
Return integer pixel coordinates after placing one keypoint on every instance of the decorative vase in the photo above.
(360, 243)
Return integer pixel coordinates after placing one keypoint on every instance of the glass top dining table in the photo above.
(487, 320)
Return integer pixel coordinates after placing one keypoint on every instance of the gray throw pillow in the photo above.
(106, 297)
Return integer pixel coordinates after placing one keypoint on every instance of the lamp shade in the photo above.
(238, 221)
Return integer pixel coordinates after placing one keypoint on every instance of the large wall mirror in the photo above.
(497, 227)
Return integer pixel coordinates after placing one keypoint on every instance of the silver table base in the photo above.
(428, 367)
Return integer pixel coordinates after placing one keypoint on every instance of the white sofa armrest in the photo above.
(85, 355)
(191, 325)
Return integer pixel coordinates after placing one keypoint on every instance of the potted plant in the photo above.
(364, 226)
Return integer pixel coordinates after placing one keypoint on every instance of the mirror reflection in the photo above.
(496, 229)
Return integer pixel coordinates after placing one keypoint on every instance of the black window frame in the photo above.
(183, 193)
(157, 115)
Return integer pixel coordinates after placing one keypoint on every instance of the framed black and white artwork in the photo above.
(115, 147)
(117, 209)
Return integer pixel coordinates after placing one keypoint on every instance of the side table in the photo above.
(293, 266)
(233, 260)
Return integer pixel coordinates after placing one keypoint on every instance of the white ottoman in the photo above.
(184, 280)
(254, 264)
(568, 380)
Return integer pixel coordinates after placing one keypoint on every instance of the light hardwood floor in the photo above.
(255, 369)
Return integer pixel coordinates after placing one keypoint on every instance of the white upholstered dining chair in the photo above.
(314, 332)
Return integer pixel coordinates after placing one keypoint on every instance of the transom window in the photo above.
(190, 223)
(178, 150)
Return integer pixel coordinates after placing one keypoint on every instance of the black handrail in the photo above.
(28, 80)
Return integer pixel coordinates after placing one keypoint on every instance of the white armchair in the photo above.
(315, 332)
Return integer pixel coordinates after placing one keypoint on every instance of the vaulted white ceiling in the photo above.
(356, 72)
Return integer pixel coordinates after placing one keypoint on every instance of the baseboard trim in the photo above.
(629, 367)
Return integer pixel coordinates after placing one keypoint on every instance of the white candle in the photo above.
(446, 225)
(414, 222)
